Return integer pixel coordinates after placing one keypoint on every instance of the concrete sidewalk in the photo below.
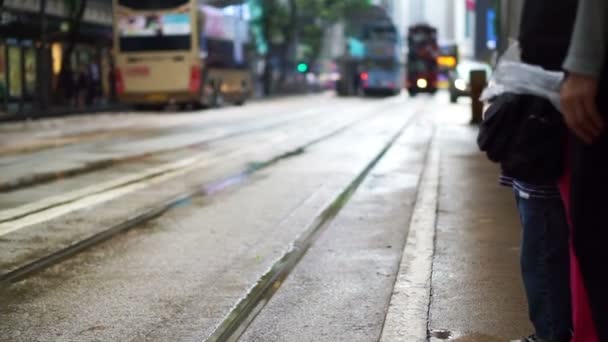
(468, 287)
(477, 292)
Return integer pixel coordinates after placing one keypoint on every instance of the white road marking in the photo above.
(56, 206)
(97, 197)
(49, 208)
(14, 213)
(407, 316)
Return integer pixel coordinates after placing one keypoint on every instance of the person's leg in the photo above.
(533, 266)
(558, 270)
(545, 266)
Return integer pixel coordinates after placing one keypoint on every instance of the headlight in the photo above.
(460, 84)
(422, 83)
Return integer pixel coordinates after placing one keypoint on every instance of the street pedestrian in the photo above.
(584, 98)
(93, 84)
(67, 84)
(82, 87)
(112, 82)
(545, 34)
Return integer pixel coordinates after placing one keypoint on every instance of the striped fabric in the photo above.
(526, 190)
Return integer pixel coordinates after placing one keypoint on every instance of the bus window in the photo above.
(380, 34)
(381, 65)
(163, 32)
(140, 44)
(152, 4)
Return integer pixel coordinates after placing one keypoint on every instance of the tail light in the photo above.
(364, 76)
(120, 83)
(195, 79)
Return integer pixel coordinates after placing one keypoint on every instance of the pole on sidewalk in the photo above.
(478, 83)
(43, 74)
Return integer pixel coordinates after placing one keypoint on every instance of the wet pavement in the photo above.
(277, 221)
(477, 288)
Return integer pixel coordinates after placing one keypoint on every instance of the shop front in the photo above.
(21, 51)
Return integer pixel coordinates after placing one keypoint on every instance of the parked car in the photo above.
(460, 78)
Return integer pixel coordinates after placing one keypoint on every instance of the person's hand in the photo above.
(578, 100)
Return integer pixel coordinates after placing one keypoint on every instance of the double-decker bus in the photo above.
(422, 67)
(179, 52)
(381, 67)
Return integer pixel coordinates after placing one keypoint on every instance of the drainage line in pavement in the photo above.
(241, 316)
(45, 262)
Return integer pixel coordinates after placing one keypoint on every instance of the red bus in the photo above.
(422, 67)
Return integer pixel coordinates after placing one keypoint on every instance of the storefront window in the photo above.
(14, 72)
(57, 56)
(30, 71)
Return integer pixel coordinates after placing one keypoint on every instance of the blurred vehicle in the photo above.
(365, 49)
(380, 68)
(447, 62)
(179, 52)
(422, 67)
(460, 78)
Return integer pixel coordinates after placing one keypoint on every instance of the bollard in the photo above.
(478, 83)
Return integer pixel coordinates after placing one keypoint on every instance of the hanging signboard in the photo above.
(470, 5)
(220, 25)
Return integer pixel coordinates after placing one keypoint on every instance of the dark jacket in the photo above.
(545, 31)
(535, 153)
(526, 135)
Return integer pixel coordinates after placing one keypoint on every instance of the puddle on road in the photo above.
(441, 334)
(447, 335)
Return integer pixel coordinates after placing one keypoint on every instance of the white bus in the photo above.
(179, 52)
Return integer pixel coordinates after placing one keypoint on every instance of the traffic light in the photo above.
(302, 67)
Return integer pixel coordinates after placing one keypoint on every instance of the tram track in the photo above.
(244, 312)
(11, 216)
(34, 179)
(152, 212)
(59, 132)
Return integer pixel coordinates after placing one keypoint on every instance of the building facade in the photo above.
(480, 28)
(25, 64)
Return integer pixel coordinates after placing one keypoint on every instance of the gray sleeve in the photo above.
(590, 39)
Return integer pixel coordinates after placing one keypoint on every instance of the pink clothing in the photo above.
(582, 320)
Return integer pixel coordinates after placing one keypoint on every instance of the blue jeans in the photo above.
(545, 266)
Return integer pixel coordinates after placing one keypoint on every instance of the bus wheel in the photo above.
(239, 102)
(413, 93)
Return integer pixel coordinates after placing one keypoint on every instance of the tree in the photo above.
(325, 13)
(42, 65)
(269, 22)
(75, 12)
(285, 25)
